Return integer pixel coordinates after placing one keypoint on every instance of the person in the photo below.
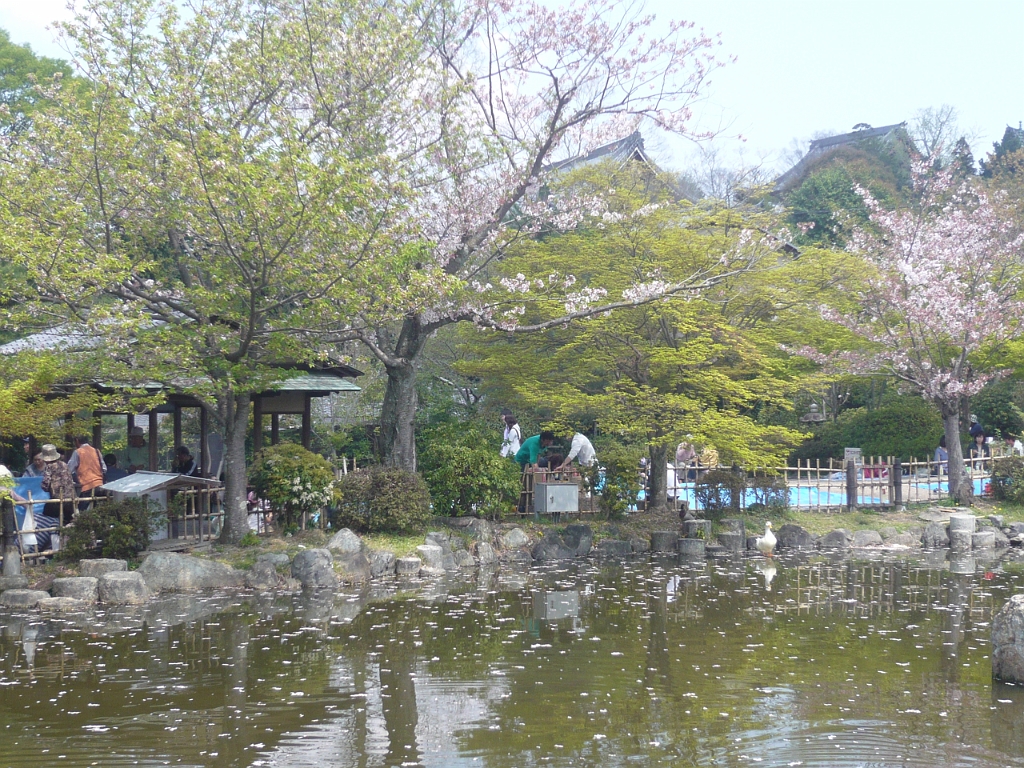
(86, 463)
(976, 428)
(185, 464)
(113, 472)
(979, 452)
(942, 457)
(582, 450)
(511, 440)
(57, 482)
(35, 468)
(528, 457)
(136, 455)
(708, 459)
(686, 459)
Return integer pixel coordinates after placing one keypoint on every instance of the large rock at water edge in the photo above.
(732, 541)
(122, 588)
(464, 559)
(314, 568)
(274, 558)
(263, 575)
(171, 572)
(863, 539)
(442, 540)
(983, 540)
(382, 563)
(13, 582)
(63, 605)
(664, 541)
(551, 547)
(935, 536)
(352, 567)
(579, 538)
(22, 598)
(431, 555)
(837, 539)
(99, 567)
(345, 541)
(84, 588)
(794, 537)
(1008, 641)
(514, 539)
(408, 566)
(614, 548)
(485, 553)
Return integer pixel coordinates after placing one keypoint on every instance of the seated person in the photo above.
(113, 472)
(979, 452)
(941, 457)
(184, 464)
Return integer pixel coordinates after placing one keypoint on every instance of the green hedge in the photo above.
(381, 499)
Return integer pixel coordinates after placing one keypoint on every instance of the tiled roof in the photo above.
(629, 148)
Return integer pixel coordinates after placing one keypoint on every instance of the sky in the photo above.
(803, 67)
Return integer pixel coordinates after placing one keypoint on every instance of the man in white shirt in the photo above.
(582, 450)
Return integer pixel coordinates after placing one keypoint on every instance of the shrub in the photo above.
(464, 472)
(620, 486)
(1008, 479)
(293, 480)
(720, 491)
(381, 499)
(770, 493)
(114, 529)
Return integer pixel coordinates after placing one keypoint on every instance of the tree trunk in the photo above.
(236, 425)
(398, 412)
(12, 557)
(657, 486)
(961, 487)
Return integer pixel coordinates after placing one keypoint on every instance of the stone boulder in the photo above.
(464, 559)
(408, 566)
(62, 605)
(382, 563)
(13, 582)
(794, 537)
(314, 568)
(99, 567)
(481, 530)
(935, 536)
(614, 548)
(514, 539)
(263, 576)
(579, 538)
(865, 539)
(552, 547)
(84, 588)
(485, 553)
(887, 532)
(983, 540)
(732, 541)
(1017, 528)
(996, 520)
(122, 588)
(431, 555)
(277, 559)
(837, 539)
(1002, 540)
(443, 539)
(639, 545)
(735, 525)
(352, 567)
(171, 572)
(22, 598)
(663, 541)
(1008, 641)
(691, 548)
(908, 540)
(345, 541)
(697, 529)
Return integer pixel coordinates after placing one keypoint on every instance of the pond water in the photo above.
(812, 661)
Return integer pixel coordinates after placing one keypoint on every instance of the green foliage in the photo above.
(250, 539)
(115, 529)
(720, 492)
(464, 472)
(1000, 407)
(905, 426)
(770, 493)
(24, 78)
(621, 487)
(1008, 479)
(381, 499)
(292, 479)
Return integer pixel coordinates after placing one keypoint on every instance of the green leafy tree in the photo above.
(24, 81)
(293, 480)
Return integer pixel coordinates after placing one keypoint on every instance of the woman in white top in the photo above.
(513, 437)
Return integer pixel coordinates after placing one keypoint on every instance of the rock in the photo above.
(99, 567)
(615, 548)
(276, 559)
(460, 523)
(382, 563)
(794, 537)
(1017, 528)
(456, 543)
(935, 536)
(551, 547)
(352, 567)
(887, 532)
(732, 541)
(905, 540)
(751, 542)
(640, 545)
(84, 588)
(1001, 539)
(837, 539)
(697, 529)
(345, 541)
(123, 588)
(485, 553)
(263, 575)
(865, 539)
(996, 520)
(440, 538)
(171, 572)
(481, 530)
(514, 539)
(734, 525)
(314, 568)
(963, 522)
(22, 598)
(408, 566)
(664, 541)
(1017, 541)
(62, 604)
(935, 515)
(983, 540)
(579, 538)
(431, 555)
(13, 582)
(518, 557)
(1008, 641)
(691, 548)
(464, 559)
(961, 541)
(716, 550)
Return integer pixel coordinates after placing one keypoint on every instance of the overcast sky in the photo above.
(806, 66)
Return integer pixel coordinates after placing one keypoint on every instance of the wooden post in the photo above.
(154, 428)
(275, 428)
(177, 426)
(97, 431)
(204, 443)
(12, 557)
(851, 486)
(307, 422)
(897, 473)
(257, 423)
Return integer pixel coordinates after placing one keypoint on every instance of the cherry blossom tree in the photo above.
(520, 86)
(943, 284)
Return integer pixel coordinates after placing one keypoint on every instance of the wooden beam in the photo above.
(177, 426)
(275, 428)
(97, 431)
(307, 422)
(257, 423)
(204, 446)
(154, 428)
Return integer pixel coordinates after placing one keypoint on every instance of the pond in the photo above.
(807, 660)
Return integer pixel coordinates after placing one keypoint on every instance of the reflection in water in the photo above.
(814, 660)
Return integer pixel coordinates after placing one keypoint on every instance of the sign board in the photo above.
(854, 455)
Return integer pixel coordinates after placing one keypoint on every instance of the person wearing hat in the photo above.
(136, 455)
(57, 482)
(976, 428)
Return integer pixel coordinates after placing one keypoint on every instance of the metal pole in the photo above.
(851, 486)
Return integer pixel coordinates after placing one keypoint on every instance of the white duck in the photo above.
(766, 544)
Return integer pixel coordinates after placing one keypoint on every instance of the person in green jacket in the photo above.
(529, 452)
